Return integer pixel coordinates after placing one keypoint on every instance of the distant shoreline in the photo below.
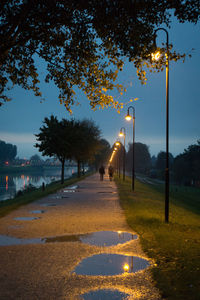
(28, 169)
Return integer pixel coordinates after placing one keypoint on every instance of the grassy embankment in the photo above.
(175, 247)
(9, 205)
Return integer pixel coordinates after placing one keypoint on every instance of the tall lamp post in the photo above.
(123, 133)
(128, 118)
(167, 124)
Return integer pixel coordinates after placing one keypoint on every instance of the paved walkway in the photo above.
(45, 270)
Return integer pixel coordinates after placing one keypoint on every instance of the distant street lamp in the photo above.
(156, 56)
(123, 133)
(128, 118)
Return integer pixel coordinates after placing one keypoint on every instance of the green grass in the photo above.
(175, 247)
(9, 205)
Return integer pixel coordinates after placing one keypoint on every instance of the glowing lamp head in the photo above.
(155, 56)
(121, 133)
(126, 267)
(117, 144)
(128, 117)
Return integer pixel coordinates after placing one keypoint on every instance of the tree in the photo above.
(161, 163)
(54, 138)
(68, 139)
(35, 160)
(7, 152)
(187, 165)
(102, 154)
(83, 42)
(142, 158)
(86, 141)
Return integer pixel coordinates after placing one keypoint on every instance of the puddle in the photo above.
(9, 241)
(110, 264)
(48, 204)
(105, 295)
(101, 238)
(26, 218)
(107, 238)
(37, 211)
(70, 189)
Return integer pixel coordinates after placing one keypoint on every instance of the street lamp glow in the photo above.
(155, 56)
(121, 133)
(128, 117)
(117, 143)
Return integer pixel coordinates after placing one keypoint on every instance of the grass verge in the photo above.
(9, 205)
(175, 246)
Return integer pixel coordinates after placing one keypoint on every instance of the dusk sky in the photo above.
(21, 118)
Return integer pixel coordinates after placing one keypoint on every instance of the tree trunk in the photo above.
(79, 168)
(62, 171)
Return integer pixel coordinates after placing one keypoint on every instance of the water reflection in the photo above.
(26, 218)
(105, 294)
(111, 264)
(11, 183)
(100, 238)
(108, 238)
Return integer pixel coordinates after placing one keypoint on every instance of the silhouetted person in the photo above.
(110, 172)
(101, 172)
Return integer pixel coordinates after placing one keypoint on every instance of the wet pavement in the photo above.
(79, 247)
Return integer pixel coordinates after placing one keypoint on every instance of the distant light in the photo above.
(155, 56)
(126, 268)
(121, 133)
(117, 143)
(6, 163)
(128, 117)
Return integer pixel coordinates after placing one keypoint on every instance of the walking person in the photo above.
(101, 172)
(110, 172)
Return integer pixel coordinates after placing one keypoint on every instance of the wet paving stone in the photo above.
(110, 264)
(105, 295)
(26, 218)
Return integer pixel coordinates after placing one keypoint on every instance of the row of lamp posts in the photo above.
(129, 118)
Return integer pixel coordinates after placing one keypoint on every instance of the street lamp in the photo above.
(123, 133)
(167, 123)
(128, 118)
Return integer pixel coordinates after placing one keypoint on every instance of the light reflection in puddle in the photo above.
(104, 295)
(110, 264)
(26, 218)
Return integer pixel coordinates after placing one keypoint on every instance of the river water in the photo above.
(10, 183)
